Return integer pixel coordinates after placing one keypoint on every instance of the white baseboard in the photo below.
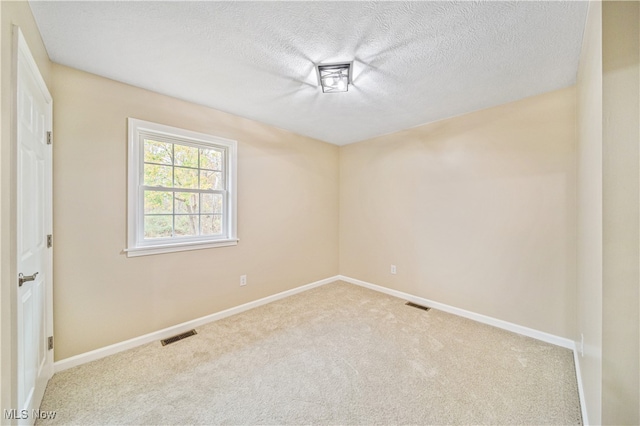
(180, 328)
(505, 325)
(170, 331)
(76, 360)
(540, 335)
(583, 402)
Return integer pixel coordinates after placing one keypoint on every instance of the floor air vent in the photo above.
(174, 339)
(414, 305)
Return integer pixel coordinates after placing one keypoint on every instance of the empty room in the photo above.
(338, 212)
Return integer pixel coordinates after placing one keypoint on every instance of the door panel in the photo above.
(34, 360)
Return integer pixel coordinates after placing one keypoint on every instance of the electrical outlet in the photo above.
(581, 344)
(243, 280)
(393, 269)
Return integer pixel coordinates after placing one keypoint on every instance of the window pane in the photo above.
(158, 175)
(186, 156)
(211, 180)
(187, 225)
(186, 178)
(157, 152)
(210, 203)
(156, 202)
(186, 202)
(211, 224)
(157, 226)
(210, 159)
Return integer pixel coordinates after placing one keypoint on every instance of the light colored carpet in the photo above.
(337, 354)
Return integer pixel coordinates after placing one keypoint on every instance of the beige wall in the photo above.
(476, 211)
(609, 212)
(287, 217)
(621, 212)
(589, 119)
(11, 13)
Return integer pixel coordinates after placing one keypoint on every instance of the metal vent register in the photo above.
(415, 305)
(181, 336)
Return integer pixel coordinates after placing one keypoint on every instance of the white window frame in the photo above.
(137, 245)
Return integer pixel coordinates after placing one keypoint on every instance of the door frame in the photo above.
(9, 332)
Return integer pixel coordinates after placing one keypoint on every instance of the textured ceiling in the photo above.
(415, 62)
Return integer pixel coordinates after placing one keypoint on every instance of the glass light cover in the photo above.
(334, 78)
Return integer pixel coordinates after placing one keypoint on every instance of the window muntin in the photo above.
(184, 189)
(182, 192)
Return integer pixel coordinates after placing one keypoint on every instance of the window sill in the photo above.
(170, 248)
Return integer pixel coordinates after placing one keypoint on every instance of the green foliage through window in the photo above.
(184, 190)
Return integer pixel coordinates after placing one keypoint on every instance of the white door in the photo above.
(34, 213)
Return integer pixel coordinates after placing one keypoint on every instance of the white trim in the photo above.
(136, 244)
(583, 401)
(505, 325)
(170, 331)
(176, 329)
(515, 328)
(170, 248)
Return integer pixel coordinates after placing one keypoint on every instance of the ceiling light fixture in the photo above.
(335, 77)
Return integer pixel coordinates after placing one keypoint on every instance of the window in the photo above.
(182, 191)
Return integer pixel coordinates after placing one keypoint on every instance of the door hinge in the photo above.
(50, 340)
(49, 241)
(49, 138)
